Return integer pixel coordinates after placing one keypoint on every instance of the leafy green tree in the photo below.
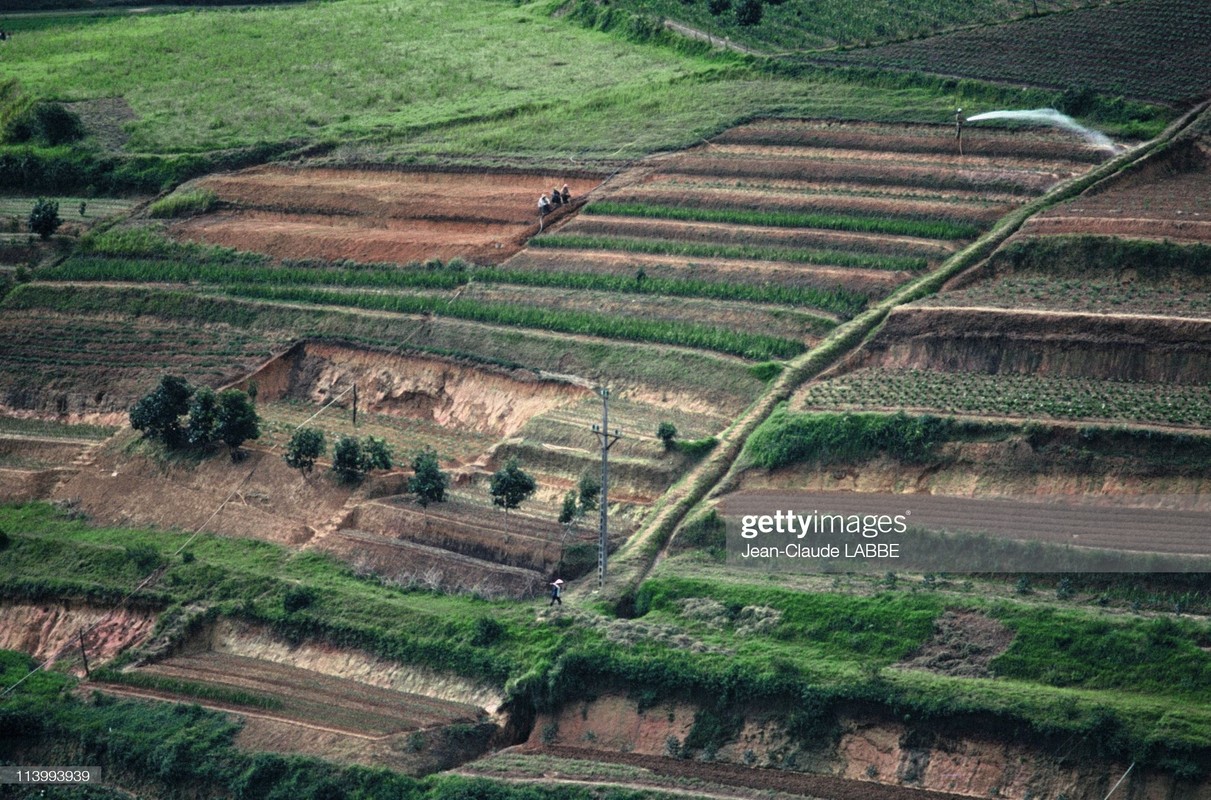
(428, 482)
(203, 418)
(237, 420)
(717, 7)
(589, 490)
(348, 461)
(377, 453)
(666, 433)
(511, 486)
(157, 414)
(570, 510)
(305, 446)
(44, 218)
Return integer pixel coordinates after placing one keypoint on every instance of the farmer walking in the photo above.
(556, 592)
(959, 128)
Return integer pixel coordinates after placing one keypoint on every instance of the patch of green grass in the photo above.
(39, 427)
(708, 250)
(930, 229)
(183, 204)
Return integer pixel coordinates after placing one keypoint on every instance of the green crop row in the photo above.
(1014, 395)
(185, 688)
(746, 345)
(930, 229)
(414, 276)
(666, 247)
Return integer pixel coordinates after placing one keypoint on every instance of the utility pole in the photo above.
(84, 655)
(355, 405)
(607, 441)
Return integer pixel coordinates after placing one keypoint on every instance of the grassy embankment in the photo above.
(1123, 686)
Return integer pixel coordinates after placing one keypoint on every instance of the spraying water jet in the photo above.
(1049, 116)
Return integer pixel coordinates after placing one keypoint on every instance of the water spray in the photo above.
(1049, 116)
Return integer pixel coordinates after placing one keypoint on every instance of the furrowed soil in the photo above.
(874, 283)
(1169, 198)
(95, 366)
(376, 216)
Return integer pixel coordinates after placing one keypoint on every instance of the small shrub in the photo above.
(143, 556)
(1023, 585)
(297, 598)
(4, 540)
(348, 462)
(44, 217)
(549, 732)
(749, 12)
(487, 631)
(666, 432)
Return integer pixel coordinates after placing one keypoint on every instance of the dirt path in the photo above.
(715, 41)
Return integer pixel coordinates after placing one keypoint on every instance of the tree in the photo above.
(428, 482)
(237, 420)
(511, 486)
(304, 447)
(203, 418)
(570, 509)
(44, 217)
(377, 453)
(717, 7)
(589, 489)
(157, 413)
(666, 433)
(749, 12)
(348, 461)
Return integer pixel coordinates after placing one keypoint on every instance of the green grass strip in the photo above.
(929, 229)
(746, 345)
(838, 300)
(201, 691)
(666, 247)
(155, 271)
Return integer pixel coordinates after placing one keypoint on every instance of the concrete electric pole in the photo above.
(607, 441)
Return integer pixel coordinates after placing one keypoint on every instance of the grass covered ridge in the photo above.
(1070, 672)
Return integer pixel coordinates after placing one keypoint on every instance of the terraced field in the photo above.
(1095, 47)
(301, 695)
(854, 207)
(374, 216)
(74, 363)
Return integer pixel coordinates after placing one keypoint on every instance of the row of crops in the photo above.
(1025, 396)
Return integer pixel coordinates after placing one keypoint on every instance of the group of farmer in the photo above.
(549, 202)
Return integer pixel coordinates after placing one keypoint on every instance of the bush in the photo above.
(788, 438)
(428, 482)
(44, 217)
(304, 447)
(237, 420)
(348, 461)
(297, 598)
(717, 7)
(666, 432)
(377, 453)
(143, 556)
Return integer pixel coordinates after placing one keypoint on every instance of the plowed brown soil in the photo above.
(871, 282)
(1090, 524)
(316, 698)
(376, 216)
(1167, 198)
(735, 775)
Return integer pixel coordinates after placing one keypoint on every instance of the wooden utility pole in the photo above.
(607, 441)
(84, 655)
(355, 405)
